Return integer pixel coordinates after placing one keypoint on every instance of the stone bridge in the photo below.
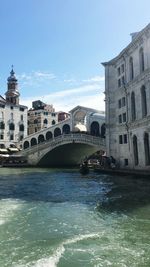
(64, 150)
(67, 142)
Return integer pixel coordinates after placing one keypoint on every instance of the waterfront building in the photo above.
(41, 116)
(127, 90)
(13, 116)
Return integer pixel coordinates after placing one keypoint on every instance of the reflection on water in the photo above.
(51, 217)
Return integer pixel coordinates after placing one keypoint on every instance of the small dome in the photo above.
(12, 77)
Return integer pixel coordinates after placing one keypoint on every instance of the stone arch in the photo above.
(135, 150)
(26, 144)
(57, 132)
(95, 128)
(146, 149)
(103, 130)
(143, 101)
(141, 59)
(41, 138)
(49, 135)
(33, 141)
(66, 129)
(131, 68)
(133, 107)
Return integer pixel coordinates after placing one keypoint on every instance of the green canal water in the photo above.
(52, 217)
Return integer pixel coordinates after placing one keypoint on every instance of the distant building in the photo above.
(63, 116)
(13, 116)
(127, 89)
(41, 116)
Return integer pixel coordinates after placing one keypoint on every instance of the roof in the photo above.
(86, 109)
(137, 36)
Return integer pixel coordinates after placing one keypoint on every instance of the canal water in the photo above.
(52, 217)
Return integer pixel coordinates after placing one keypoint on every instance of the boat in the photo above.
(84, 169)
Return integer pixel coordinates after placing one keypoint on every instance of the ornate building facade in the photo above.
(13, 116)
(127, 90)
(41, 116)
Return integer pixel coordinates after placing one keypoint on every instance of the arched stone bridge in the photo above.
(67, 142)
(64, 150)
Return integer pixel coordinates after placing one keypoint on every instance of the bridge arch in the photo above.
(57, 132)
(66, 129)
(33, 141)
(26, 145)
(41, 138)
(49, 135)
(95, 128)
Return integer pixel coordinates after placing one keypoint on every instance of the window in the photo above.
(135, 150)
(35, 121)
(125, 140)
(11, 107)
(2, 125)
(21, 109)
(123, 80)
(53, 122)
(146, 149)
(143, 101)
(133, 107)
(124, 117)
(122, 68)
(119, 83)
(21, 117)
(123, 101)
(11, 137)
(119, 103)
(21, 128)
(118, 71)
(11, 127)
(131, 69)
(1, 136)
(45, 121)
(120, 118)
(141, 59)
(21, 137)
(120, 139)
(126, 162)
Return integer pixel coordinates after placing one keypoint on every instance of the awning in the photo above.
(13, 149)
(3, 150)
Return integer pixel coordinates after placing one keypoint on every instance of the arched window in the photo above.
(57, 132)
(33, 141)
(141, 59)
(2, 125)
(49, 135)
(66, 129)
(26, 144)
(133, 107)
(11, 127)
(146, 149)
(21, 127)
(143, 101)
(45, 121)
(131, 69)
(40, 138)
(95, 128)
(53, 122)
(135, 150)
(103, 130)
(35, 121)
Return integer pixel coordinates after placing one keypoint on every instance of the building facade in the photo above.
(127, 92)
(41, 116)
(13, 116)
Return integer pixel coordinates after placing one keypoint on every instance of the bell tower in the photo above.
(12, 94)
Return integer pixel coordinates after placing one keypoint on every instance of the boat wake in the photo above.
(56, 256)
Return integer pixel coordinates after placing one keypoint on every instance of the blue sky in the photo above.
(57, 46)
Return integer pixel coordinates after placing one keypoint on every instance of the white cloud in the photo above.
(87, 95)
(95, 79)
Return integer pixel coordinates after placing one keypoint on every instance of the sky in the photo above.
(57, 46)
